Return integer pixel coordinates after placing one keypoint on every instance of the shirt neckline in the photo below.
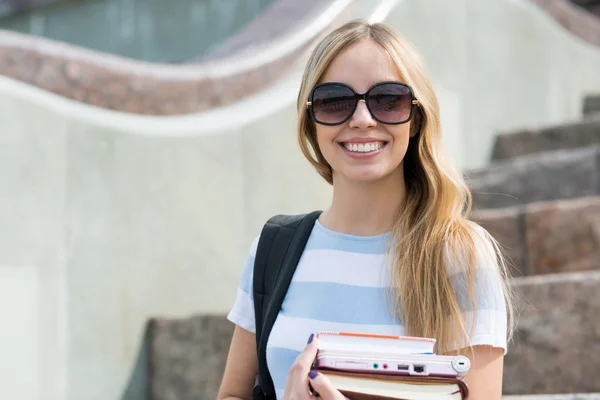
(347, 236)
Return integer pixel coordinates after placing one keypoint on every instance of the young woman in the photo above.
(394, 253)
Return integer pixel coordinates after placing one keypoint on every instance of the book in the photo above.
(380, 387)
(372, 343)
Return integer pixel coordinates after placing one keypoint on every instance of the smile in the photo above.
(364, 147)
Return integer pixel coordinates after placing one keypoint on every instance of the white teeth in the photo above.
(363, 147)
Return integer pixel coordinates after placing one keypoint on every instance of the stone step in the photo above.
(557, 345)
(547, 237)
(556, 348)
(187, 356)
(564, 136)
(561, 174)
(591, 105)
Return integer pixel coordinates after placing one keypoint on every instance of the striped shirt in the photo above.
(340, 285)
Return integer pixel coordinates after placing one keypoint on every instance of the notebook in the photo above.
(381, 387)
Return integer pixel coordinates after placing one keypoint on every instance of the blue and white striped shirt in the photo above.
(340, 285)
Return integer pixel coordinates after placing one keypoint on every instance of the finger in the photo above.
(322, 385)
(304, 361)
(306, 358)
(310, 351)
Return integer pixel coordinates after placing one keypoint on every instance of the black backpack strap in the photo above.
(280, 247)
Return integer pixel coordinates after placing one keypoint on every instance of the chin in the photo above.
(366, 175)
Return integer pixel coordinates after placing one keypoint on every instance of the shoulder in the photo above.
(253, 247)
(470, 247)
(292, 220)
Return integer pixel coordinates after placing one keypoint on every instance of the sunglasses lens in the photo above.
(332, 104)
(390, 103)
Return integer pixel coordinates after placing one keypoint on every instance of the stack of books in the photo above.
(369, 367)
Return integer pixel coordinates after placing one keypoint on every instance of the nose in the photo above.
(362, 118)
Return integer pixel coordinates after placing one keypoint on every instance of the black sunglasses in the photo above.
(333, 103)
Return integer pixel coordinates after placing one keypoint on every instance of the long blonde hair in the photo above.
(432, 238)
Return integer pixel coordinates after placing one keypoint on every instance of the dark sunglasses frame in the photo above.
(358, 97)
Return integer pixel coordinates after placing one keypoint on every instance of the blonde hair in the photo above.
(431, 232)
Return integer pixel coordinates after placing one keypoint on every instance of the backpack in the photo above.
(280, 247)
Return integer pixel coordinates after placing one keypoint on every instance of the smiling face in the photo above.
(363, 149)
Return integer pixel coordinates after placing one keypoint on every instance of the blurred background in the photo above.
(143, 144)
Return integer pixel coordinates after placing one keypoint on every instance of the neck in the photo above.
(365, 208)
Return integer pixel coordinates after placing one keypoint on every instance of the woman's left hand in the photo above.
(324, 388)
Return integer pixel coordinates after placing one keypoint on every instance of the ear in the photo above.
(416, 123)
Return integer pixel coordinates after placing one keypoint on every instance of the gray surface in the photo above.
(269, 25)
(560, 174)
(10, 7)
(151, 30)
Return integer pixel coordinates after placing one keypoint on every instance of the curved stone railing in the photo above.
(237, 69)
(234, 70)
(592, 6)
(573, 18)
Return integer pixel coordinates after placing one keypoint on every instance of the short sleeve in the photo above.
(242, 312)
(486, 317)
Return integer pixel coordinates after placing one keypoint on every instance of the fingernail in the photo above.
(313, 374)
(310, 338)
